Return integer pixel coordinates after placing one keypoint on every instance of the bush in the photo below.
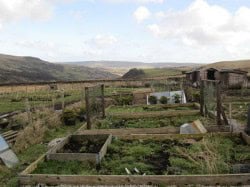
(30, 135)
(177, 98)
(152, 99)
(124, 100)
(69, 117)
(163, 100)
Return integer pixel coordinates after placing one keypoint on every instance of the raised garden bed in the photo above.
(116, 123)
(150, 108)
(161, 159)
(90, 148)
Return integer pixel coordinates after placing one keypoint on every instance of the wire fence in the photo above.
(211, 103)
(95, 104)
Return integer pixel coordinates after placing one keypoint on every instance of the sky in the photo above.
(200, 31)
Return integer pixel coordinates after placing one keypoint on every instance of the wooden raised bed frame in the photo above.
(25, 178)
(96, 158)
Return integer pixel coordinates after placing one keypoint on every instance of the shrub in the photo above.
(152, 99)
(124, 100)
(69, 117)
(30, 135)
(163, 100)
(177, 98)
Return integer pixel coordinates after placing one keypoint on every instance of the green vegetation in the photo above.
(161, 72)
(209, 155)
(152, 100)
(163, 100)
(110, 123)
(144, 108)
(32, 141)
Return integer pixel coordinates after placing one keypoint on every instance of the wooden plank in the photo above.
(214, 180)
(91, 157)
(33, 166)
(161, 130)
(104, 148)
(138, 115)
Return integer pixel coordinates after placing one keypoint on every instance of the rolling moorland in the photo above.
(121, 67)
(15, 69)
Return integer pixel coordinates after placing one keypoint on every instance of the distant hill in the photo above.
(239, 64)
(153, 73)
(14, 69)
(121, 67)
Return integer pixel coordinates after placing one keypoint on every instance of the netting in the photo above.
(95, 106)
(166, 85)
(210, 95)
(211, 101)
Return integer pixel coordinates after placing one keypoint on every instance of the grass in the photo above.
(161, 72)
(211, 155)
(110, 123)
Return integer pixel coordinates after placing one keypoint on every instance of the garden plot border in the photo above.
(25, 178)
(92, 157)
(155, 114)
(160, 130)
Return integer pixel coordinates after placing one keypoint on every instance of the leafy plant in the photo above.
(163, 100)
(69, 117)
(152, 100)
(177, 98)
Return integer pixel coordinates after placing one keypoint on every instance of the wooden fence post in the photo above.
(219, 105)
(103, 101)
(87, 108)
(248, 121)
(28, 110)
(202, 98)
(62, 96)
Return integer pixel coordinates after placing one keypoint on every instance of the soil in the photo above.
(87, 146)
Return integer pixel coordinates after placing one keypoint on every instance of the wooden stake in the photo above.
(87, 108)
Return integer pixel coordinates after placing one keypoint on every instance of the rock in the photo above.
(195, 128)
(55, 142)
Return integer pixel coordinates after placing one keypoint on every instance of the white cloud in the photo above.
(141, 14)
(202, 24)
(134, 1)
(14, 10)
(205, 25)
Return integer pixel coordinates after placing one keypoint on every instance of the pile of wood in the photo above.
(10, 136)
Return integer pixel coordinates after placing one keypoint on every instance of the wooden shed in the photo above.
(230, 78)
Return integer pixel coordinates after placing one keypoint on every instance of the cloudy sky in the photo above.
(199, 31)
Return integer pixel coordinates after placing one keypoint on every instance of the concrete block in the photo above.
(9, 158)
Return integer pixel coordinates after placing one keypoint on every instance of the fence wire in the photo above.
(95, 106)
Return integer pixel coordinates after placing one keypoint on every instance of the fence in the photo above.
(211, 104)
(95, 104)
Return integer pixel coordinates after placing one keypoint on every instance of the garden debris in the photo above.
(127, 171)
(195, 128)
(7, 156)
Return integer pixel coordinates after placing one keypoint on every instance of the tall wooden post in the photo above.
(248, 121)
(219, 105)
(202, 98)
(62, 96)
(103, 101)
(87, 107)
